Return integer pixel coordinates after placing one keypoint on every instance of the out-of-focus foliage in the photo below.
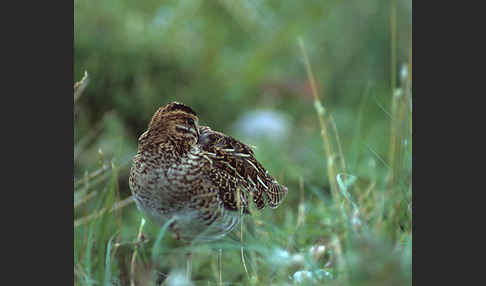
(238, 63)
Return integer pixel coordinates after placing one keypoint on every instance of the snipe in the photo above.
(199, 177)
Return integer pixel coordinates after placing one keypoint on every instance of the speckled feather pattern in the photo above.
(199, 177)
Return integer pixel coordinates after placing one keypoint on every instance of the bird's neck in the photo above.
(168, 146)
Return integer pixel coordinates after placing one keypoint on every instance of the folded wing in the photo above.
(236, 171)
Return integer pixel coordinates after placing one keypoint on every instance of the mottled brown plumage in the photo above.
(198, 177)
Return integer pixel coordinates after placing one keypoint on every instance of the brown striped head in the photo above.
(174, 123)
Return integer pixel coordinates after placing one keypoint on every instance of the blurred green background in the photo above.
(239, 66)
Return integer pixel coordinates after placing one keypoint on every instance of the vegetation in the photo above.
(339, 72)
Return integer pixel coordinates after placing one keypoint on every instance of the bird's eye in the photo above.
(190, 121)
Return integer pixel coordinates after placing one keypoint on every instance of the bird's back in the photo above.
(235, 170)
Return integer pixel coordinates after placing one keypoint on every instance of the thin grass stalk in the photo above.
(188, 264)
(220, 267)
(240, 208)
(88, 252)
(393, 135)
(409, 88)
(104, 229)
(393, 43)
(156, 248)
(338, 143)
(118, 205)
(80, 86)
(84, 199)
(322, 115)
(108, 259)
(92, 176)
(393, 141)
(242, 248)
(356, 142)
(400, 136)
(399, 121)
(410, 61)
(301, 209)
(135, 253)
(85, 141)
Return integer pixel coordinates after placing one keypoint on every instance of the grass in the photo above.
(357, 232)
(347, 219)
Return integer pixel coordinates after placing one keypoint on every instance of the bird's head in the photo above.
(175, 124)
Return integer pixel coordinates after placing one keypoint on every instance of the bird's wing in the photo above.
(234, 170)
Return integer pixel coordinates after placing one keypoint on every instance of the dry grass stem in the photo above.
(220, 266)
(80, 86)
(118, 205)
(398, 128)
(301, 211)
(92, 176)
(135, 253)
(322, 115)
(85, 198)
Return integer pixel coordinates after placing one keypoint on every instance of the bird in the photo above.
(199, 180)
